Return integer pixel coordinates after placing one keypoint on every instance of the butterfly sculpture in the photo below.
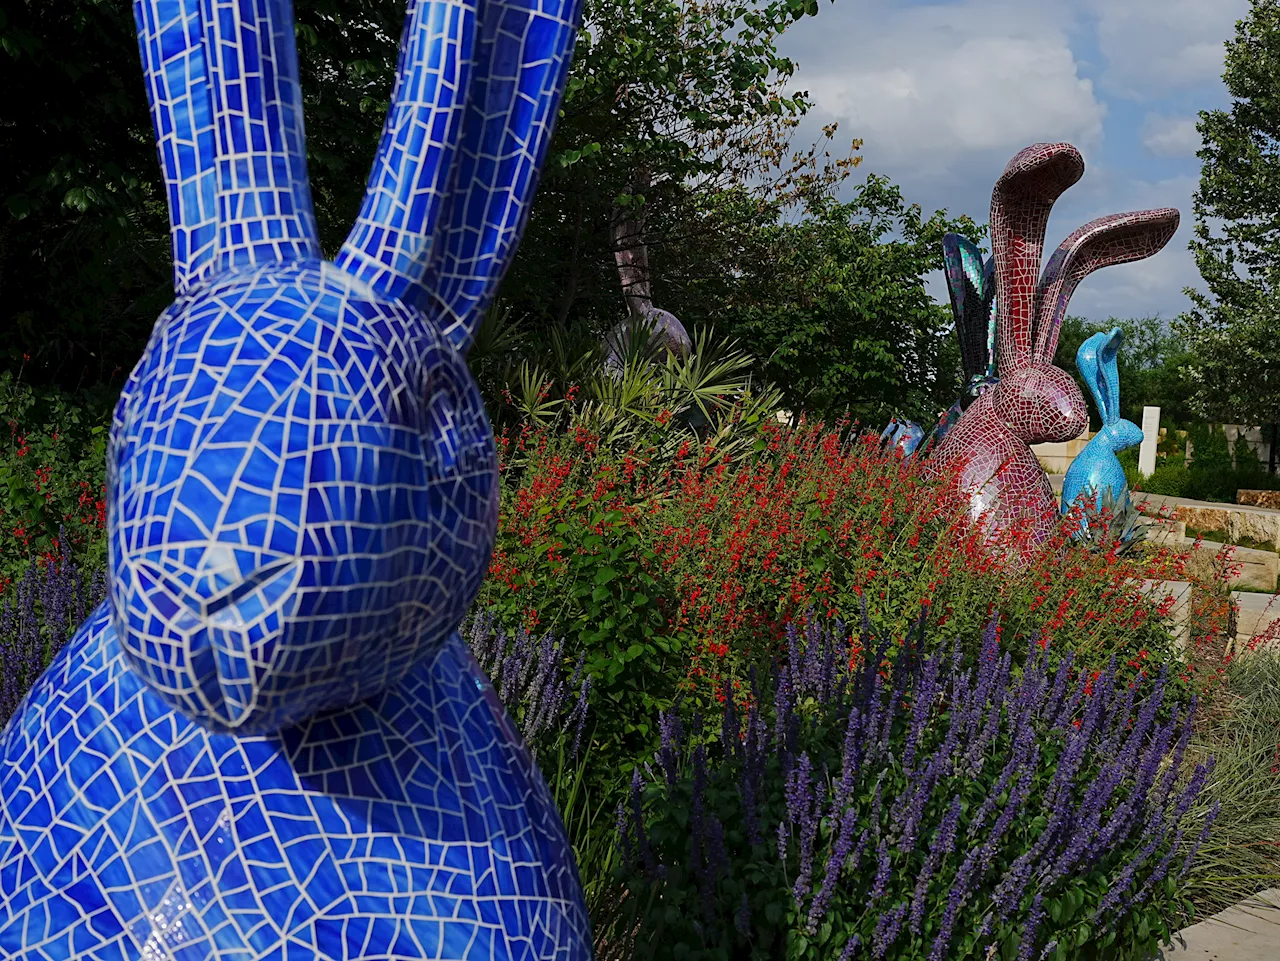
(972, 287)
(270, 742)
(1032, 401)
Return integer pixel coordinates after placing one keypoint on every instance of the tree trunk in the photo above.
(571, 283)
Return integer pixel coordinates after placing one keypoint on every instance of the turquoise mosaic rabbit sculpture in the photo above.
(1097, 475)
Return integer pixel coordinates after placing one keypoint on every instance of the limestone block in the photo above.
(1055, 458)
(1205, 518)
(1166, 532)
(1267, 499)
(1150, 438)
(1256, 569)
(1255, 525)
(1256, 614)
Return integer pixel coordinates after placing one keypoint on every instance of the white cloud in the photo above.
(1154, 46)
(945, 94)
(932, 88)
(1170, 136)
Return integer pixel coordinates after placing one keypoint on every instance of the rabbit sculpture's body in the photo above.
(1096, 475)
(1032, 401)
(270, 742)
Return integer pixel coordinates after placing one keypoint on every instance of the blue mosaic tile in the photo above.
(270, 742)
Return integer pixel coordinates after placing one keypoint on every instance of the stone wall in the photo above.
(1056, 458)
(1266, 499)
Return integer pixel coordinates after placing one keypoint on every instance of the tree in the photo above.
(1233, 331)
(672, 106)
(1152, 365)
(839, 316)
(84, 248)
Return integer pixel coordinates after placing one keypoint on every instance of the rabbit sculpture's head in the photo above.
(1098, 365)
(1033, 399)
(302, 480)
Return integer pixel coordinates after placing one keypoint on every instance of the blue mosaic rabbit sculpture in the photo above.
(1096, 474)
(270, 743)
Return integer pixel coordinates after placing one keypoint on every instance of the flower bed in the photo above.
(676, 573)
(916, 807)
(678, 579)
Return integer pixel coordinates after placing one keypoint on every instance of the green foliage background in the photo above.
(1231, 330)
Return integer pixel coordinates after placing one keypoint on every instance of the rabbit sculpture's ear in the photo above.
(1096, 361)
(972, 289)
(454, 177)
(227, 110)
(1114, 239)
(1020, 205)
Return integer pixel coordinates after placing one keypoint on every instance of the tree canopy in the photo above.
(840, 318)
(679, 114)
(1233, 331)
(84, 251)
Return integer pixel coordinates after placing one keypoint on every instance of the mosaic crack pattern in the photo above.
(270, 742)
(1032, 401)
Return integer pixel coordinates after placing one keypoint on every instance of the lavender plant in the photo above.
(868, 801)
(38, 614)
(528, 673)
(548, 695)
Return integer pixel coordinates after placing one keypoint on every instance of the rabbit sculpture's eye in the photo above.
(302, 496)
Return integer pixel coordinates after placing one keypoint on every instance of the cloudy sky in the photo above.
(944, 93)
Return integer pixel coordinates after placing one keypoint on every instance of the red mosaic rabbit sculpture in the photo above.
(1034, 402)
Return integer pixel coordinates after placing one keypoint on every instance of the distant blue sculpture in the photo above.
(901, 435)
(1096, 476)
(270, 742)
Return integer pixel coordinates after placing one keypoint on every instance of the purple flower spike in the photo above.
(888, 927)
(882, 873)
(1029, 929)
(1204, 836)
(843, 853)
(850, 948)
(943, 844)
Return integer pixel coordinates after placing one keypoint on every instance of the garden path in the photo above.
(1248, 931)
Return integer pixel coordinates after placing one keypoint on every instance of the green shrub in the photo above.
(1169, 479)
(52, 475)
(1212, 474)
